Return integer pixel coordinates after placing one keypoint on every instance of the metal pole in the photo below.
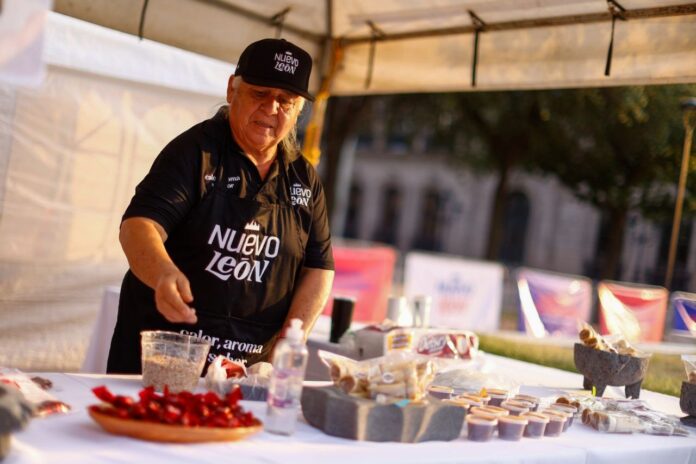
(688, 106)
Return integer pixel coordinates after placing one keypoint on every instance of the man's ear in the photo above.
(230, 89)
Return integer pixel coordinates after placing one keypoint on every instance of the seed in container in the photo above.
(172, 359)
(175, 373)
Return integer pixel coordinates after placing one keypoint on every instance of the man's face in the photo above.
(261, 116)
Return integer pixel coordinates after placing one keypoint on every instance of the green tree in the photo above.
(616, 148)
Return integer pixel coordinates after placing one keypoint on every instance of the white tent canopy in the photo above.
(429, 45)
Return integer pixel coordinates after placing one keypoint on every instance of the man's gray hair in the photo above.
(289, 143)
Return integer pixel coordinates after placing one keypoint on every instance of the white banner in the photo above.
(22, 30)
(466, 294)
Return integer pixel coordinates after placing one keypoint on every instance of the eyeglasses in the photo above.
(287, 104)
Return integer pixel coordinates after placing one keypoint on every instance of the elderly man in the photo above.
(231, 220)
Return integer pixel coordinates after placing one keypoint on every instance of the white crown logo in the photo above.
(253, 225)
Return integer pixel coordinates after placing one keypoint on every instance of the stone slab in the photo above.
(345, 416)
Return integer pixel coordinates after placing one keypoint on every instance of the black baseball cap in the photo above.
(276, 63)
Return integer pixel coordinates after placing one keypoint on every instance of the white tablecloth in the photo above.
(73, 438)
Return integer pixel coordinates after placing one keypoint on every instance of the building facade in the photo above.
(422, 201)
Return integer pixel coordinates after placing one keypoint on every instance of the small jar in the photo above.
(495, 410)
(572, 410)
(516, 408)
(533, 400)
(480, 428)
(566, 416)
(463, 402)
(536, 425)
(556, 423)
(440, 392)
(479, 399)
(497, 396)
(511, 428)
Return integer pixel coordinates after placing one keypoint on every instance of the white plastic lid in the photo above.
(294, 333)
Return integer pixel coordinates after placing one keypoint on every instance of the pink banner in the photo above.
(364, 273)
(634, 311)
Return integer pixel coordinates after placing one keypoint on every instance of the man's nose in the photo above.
(270, 104)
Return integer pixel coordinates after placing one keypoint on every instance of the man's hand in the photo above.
(143, 240)
(172, 295)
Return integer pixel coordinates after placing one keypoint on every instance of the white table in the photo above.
(74, 438)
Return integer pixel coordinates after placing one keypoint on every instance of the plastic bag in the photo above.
(223, 375)
(398, 375)
(689, 361)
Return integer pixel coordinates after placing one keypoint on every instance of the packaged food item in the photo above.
(689, 361)
(613, 344)
(473, 377)
(452, 345)
(536, 425)
(43, 402)
(440, 392)
(477, 398)
(555, 424)
(492, 410)
(533, 401)
(572, 411)
(511, 428)
(465, 403)
(565, 416)
(399, 375)
(480, 428)
(516, 408)
(610, 415)
(223, 375)
(496, 395)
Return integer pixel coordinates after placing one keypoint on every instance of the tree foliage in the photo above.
(616, 148)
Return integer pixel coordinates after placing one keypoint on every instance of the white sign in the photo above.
(466, 294)
(22, 28)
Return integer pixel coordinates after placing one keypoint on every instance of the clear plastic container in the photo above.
(557, 423)
(536, 426)
(516, 408)
(172, 359)
(511, 428)
(285, 387)
(497, 396)
(440, 392)
(479, 428)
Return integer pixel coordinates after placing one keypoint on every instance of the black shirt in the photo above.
(240, 240)
(173, 185)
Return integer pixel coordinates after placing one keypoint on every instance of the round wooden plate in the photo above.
(153, 431)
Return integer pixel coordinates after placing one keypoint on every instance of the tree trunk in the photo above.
(611, 260)
(495, 225)
(342, 116)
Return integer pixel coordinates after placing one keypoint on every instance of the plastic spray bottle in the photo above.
(285, 388)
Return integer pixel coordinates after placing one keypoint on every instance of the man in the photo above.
(231, 220)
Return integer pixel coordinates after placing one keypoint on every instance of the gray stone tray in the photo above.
(341, 415)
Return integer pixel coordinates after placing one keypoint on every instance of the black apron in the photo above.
(242, 257)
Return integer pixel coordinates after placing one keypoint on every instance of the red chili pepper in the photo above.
(185, 408)
(103, 394)
(234, 396)
(123, 402)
